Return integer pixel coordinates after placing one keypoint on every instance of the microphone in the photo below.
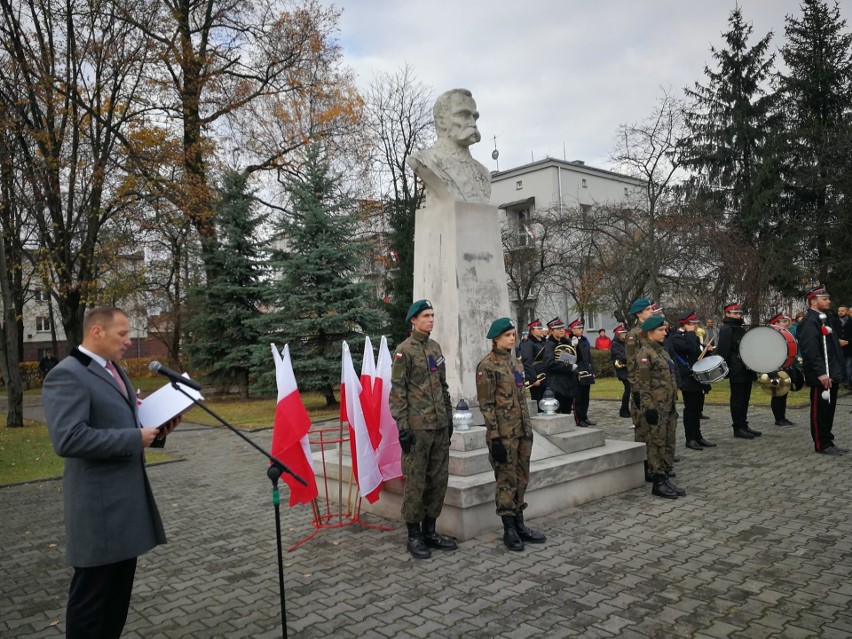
(156, 367)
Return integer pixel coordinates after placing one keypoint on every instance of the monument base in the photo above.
(569, 467)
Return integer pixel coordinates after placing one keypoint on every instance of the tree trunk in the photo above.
(9, 352)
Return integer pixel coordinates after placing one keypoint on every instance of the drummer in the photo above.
(739, 377)
(686, 351)
(779, 403)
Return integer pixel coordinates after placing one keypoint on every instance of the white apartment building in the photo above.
(559, 184)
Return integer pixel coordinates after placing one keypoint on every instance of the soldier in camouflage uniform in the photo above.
(657, 388)
(500, 391)
(420, 404)
(642, 310)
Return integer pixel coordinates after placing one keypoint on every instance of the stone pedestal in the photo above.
(570, 466)
(458, 266)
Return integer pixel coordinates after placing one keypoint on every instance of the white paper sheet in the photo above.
(165, 404)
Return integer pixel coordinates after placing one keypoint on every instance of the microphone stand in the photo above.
(274, 472)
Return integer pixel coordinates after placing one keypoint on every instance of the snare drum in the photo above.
(766, 349)
(710, 370)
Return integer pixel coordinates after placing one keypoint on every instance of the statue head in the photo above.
(455, 117)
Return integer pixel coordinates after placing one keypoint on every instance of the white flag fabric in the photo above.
(365, 465)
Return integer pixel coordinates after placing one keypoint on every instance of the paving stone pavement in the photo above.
(761, 547)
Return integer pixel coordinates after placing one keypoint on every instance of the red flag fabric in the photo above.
(370, 401)
(290, 434)
(364, 464)
(389, 453)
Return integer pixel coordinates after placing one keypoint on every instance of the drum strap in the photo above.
(682, 361)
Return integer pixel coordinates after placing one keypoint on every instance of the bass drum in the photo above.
(766, 349)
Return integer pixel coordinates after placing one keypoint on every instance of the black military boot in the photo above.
(527, 534)
(662, 489)
(680, 492)
(510, 534)
(415, 545)
(433, 539)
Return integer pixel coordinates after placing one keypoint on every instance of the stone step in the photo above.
(578, 439)
(556, 482)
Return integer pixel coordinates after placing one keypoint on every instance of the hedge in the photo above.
(136, 367)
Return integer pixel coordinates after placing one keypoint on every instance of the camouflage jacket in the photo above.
(657, 382)
(419, 396)
(632, 344)
(502, 400)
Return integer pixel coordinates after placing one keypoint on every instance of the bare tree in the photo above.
(67, 60)
(532, 256)
(398, 122)
(256, 80)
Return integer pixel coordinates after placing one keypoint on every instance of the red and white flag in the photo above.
(364, 464)
(389, 453)
(290, 434)
(369, 400)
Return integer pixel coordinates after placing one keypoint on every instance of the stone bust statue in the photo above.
(447, 169)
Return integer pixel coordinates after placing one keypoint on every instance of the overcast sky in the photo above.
(549, 74)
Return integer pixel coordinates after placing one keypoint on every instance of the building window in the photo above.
(522, 220)
(42, 324)
(519, 185)
(626, 193)
(584, 183)
(39, 295)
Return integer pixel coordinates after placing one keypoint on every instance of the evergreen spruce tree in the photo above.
(223, 330)
(817, 94)
(733, 145)
(317, 299)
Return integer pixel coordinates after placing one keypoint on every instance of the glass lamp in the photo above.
(548, 404)
(462, 417)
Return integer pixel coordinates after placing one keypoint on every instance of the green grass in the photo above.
(611, 388)
(27, 455)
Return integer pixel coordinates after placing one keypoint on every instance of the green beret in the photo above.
(500, 326)
(639, 305)
(655, 321)
(418, 307)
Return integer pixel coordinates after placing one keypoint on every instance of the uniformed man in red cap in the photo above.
(739, 377)
(585, 373)
(778, 403)
(618, 353)
(822, 359)
(685, 350)
(560, 367)
(532, 356)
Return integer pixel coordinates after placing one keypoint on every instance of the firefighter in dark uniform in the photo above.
(685, 349)
(532, 356)
(618, 352)
(739, 376)
(657, 389)
(420, 404)
(778, 403)
(585, 373)
(822, 359)
(508, 431)
(559, 366)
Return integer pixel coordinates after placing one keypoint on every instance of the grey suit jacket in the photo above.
(110, 513)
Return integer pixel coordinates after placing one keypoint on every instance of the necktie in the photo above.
(117, 378)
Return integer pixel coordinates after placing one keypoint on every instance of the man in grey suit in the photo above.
(110, 514)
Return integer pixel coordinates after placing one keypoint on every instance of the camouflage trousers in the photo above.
(426, 469)
(640, 432)
(513, 476)
(660, 441)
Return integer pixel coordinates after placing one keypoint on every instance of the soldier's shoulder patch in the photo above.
(631, 338)
(644, 360)
(479, 373)
(398, 356)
